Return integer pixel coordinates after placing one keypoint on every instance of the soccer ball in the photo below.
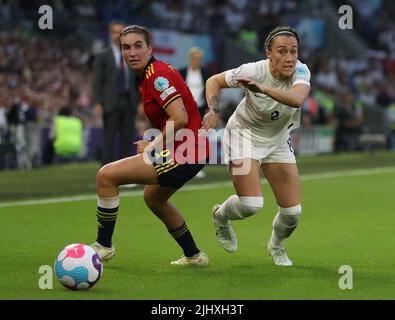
(78, 267)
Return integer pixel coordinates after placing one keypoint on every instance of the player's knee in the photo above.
(103, 176)
(291, 215)
(148, 199)
(250, 205)
(151, 201)
(292, 211)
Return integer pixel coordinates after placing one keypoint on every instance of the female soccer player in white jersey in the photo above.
(257, 138)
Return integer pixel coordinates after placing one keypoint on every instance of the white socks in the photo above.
(237, 208)
(108, 203)
(284, 224)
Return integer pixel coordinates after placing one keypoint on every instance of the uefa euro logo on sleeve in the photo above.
(161, 84)
(300, 71)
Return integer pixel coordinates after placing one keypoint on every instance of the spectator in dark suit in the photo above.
(115, 97)
(350, 117)
(195, 76)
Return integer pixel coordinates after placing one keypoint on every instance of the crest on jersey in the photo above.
(161, 84)
(300, 71)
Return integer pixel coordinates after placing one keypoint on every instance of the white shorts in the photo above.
(284, 153)
(241, 147)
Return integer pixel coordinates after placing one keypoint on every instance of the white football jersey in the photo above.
(270, 121)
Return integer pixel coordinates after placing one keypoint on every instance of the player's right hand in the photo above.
(210, 120)
(251, 85)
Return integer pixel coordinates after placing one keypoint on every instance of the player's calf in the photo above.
(284, 224)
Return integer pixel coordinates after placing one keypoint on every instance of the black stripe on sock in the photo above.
(105, 210)
(106, 219)
(184, 238)
(106, 216)
(179, 232)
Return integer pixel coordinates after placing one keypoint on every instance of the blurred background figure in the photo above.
(66, 136)
(309, 112)
(391, 118)
(7, 147)
(32, 130)
(16, 132)
(350, 118)
(195, 76)
(115, 98)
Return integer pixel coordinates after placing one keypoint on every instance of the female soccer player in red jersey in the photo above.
(163, 164)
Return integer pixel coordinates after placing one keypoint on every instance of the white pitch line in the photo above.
(308, 177)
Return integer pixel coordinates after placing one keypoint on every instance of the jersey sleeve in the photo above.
(302, 74)
(164, 88)
(247, 70)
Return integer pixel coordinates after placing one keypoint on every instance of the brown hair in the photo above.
(280, 31)
(137, 29)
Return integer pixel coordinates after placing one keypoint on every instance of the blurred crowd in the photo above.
(346, 88)
(231, 15)
(45, 72)
(40, 75)
(374, 21)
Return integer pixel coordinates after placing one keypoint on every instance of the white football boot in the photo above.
(105, 253)
(279, 256)
(199, 259)
(226, 237)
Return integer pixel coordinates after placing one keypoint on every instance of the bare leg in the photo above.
(284, 181)
(248, 184)
(156, 198)
(128, 170)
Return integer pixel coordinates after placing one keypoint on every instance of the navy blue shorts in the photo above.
(171, 174)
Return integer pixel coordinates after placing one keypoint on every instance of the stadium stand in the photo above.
(40, 71)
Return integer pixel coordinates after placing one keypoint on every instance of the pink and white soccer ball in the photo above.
(78, 267)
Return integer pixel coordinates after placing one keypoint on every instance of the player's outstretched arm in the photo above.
(293, 97)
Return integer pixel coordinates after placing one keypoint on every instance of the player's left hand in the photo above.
(251, 84)
(141, 145)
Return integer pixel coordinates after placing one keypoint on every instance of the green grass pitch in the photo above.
(347, 219)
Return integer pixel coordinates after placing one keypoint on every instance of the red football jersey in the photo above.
(161, 84)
